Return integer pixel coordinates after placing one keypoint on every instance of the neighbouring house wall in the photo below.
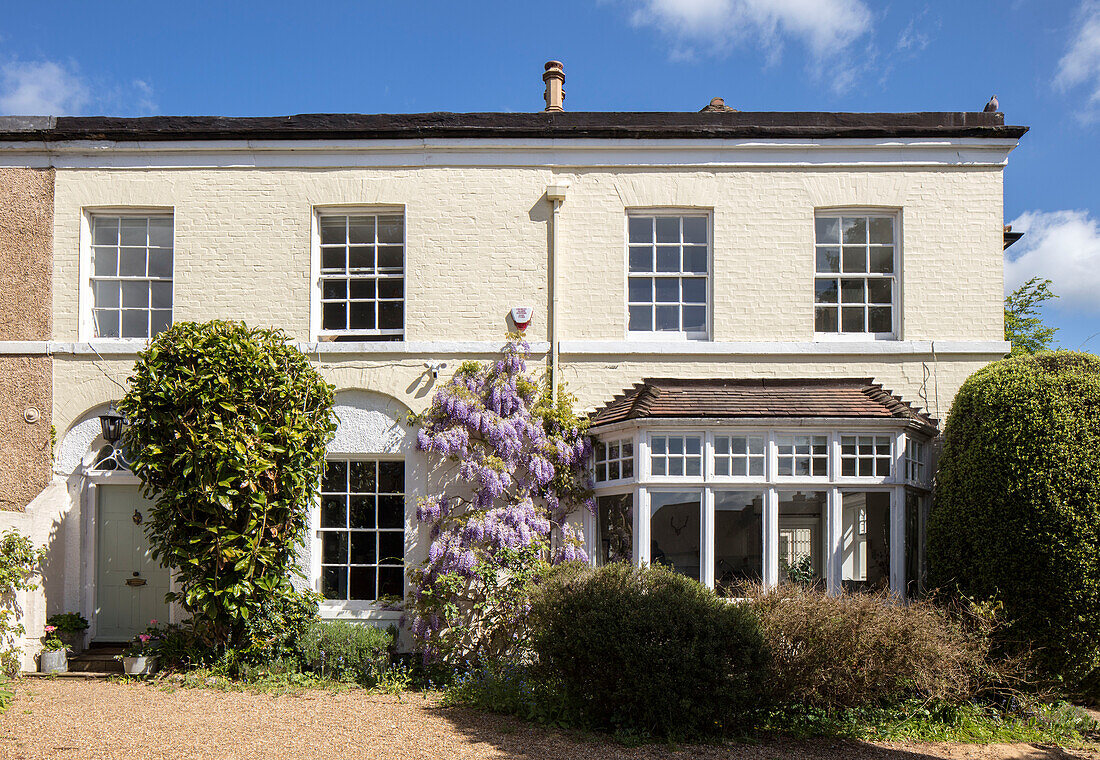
(26, 235)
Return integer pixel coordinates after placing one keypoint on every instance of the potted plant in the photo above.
(54, 658)
(140, 656)
(70, 628)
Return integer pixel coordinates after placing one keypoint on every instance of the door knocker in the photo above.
(137, 518)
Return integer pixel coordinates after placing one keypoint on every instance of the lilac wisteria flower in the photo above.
(512, 464)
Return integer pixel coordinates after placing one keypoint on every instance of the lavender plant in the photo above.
(511, 464)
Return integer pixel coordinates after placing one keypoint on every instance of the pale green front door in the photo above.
(130, 584)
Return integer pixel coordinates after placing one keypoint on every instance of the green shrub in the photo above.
(645, 651)
(859, 650)
(19, 561)
(346, 651)
(1016, 516)
(276, 630)
(227, 431)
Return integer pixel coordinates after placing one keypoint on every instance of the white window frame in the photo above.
(778, 438)
(85, 329)
(633, 459)
(669, 335)
(896, 287)
(891, 455)
(916, 461)
(685, 435)
(316, 332)
(712, 456)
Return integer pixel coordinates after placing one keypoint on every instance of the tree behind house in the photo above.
(1024, 327)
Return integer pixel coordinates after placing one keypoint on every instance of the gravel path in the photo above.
(62, 719)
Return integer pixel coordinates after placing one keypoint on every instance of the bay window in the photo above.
(676, 531)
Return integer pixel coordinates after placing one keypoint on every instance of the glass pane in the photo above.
(362, 287)
(336, 477)
(391, 257)
(882, 230)
(131, 262)
(695, 258)
(391, 229)
(159, 321)
(361, 315)
(362, 476)
(391, 582)
(615, 523)
(668, 290)
(333, 230)
(801, 536)
(362, 583)
(659, 445)
(333, 513)
(361, 512)
(134, 232)
(828, 259)
(641, 259)
(391, 511)
(361, 257)
(854, 229)
(851, 319)
(855, 259)
(879, 320)
(334, 582)
(363, 549)
(738, 540)
(160, 262)
(333, 316)
(695, 318)
(135, 295)
(668, 318)
(695, 229)
(391, 547)
(106, 294)
(160, 232)
(694, 290)
(674, 531)
(851, 290)
(105, 231)
(641, 229)
(641, 318)
(878, 290)
(106, 323)
(668, 229)
(331, 289)
(334, 547)
(882, 260)
(825, 319)
(865, 540)
(825, 291)
(391, 287)
(640, 289)
(361, 229)
(105, 261)
(391, 477)
(135, 323)
(827, 230)
(668, 258)
(391, 315)
(333, 258)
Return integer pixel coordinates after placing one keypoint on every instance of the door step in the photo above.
(86, 675)
(97, 660)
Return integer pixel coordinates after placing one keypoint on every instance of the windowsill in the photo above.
(668, 337)
(842, 337)
(335, 610)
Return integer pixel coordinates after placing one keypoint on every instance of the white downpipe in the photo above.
(555, 204)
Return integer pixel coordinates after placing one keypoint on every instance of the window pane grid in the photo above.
(738, 456)
(614, 460)
(363, 275)
(362, 529)
(668, 261)
(676, 455)
(132, 263)
(915, 467)
(854, 288)
(802, 455)
(866, 456)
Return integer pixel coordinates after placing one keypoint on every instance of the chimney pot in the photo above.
(554, 76)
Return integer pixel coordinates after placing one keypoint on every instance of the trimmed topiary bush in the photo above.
(645, 651)
(1016, 516)
(227, 431)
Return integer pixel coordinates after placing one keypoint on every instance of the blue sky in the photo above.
(1041, 57)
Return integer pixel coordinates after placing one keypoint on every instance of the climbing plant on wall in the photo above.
(508, 465)
(227, 431)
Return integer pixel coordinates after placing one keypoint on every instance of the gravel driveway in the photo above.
(62, 718)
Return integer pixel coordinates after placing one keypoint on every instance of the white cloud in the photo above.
(825, 27)
(1081, 63)
(42, 88)
(1063, 246)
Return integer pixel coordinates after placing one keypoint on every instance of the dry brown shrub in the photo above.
(855, 650)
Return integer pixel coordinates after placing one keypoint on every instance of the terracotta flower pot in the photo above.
(53, 661)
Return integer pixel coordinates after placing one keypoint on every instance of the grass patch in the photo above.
(273, 681)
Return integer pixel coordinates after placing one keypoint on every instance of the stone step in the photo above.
(73, 674)
(96, 660)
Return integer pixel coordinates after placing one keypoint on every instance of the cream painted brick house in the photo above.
(767, 314)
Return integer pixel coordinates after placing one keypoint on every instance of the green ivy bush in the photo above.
(646, 652)
(19, 561)
(866, 650)
(279, 627)
(227, 430)
(343, 651)
(1016, 515)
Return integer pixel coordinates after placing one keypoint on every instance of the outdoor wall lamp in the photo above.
(111, 424)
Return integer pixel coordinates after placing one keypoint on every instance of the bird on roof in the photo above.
(992, 106)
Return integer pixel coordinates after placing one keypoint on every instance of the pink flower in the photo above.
(144, 637)
(153, 621)
(51, 628)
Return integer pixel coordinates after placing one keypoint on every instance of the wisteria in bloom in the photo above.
(511, 466)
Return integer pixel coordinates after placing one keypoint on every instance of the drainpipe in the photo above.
(555, 193)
